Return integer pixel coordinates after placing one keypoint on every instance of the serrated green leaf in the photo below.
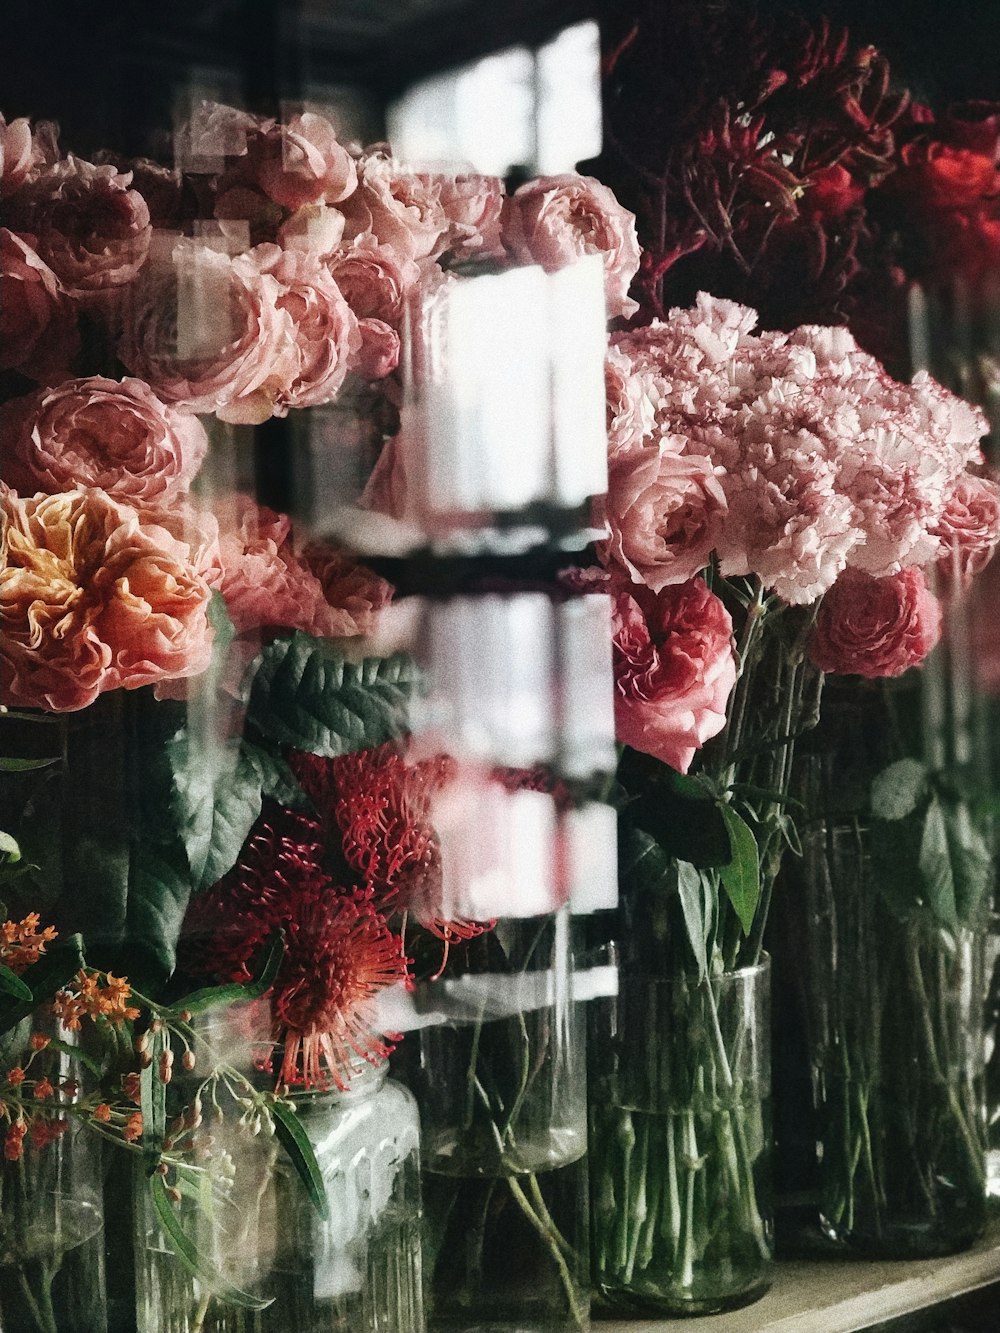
(306, 694)
(296, 1144)
(935, 866)
(694, 905)
(13, 985)
(217, 800)
(899, 789)
(741, 876)
(277, 780)
(971, 863)
(192, 1257)
(158, 894)
(210, 997)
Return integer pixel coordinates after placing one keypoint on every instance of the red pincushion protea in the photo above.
(339, 954)
(380, 806)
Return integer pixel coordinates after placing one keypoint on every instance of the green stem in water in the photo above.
(578, 1313)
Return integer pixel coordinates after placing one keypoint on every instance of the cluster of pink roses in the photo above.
(792, 458)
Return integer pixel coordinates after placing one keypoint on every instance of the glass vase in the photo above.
(252, 1221)
(502, 1091)
(681, 1142)
(896, 1037)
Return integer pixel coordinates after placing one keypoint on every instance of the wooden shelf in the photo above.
(841, 1295)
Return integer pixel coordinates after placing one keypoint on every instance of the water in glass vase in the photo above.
(680, 1205)
(496, 1248)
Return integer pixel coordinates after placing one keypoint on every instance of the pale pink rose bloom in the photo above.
(375, 282)
(113, 435)
(969, 530)
(16, 154)
(555, 220)
(92, 600)
(39, 336)
(324, 330)
(674, 667)
(473, 206)
(665, 512)
(267, 585)
(876, 627)
(93, 230)
(206, 332)
(389, 489)
(302, 163)
(401, 209)
(314, 228)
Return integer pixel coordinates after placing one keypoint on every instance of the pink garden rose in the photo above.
(16, 155)
(206, 333)
(325, 339)
(399, 208)
(93, 599)
(302, 163)
(266, 584)
(93, 229)
(115, 436)
(674, 669)
(473, 206)
(969, 529)
(555, 220)
(375, 282)
(38, 326)
(876, 627)
(665, 511)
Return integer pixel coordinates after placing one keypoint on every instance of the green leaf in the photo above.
(741, 876)
(25, 765)
(306, 694)
(77, 1053)
(51, 973)
(9, 850)
(192, 1257)
(217, 799)
(277, 780)
(200, 1001)
(153, 1101)
(295, 1142)
(935, 865)
(158, 894)
(13, 985)
(899, 789)
(696, 904)
(971, 863)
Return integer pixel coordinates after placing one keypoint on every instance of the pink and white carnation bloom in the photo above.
(876, 627)
(325, 339)
(113, 435)
(969, 530)
(399, 208)
(206, 332)
(665, 511)
(556, 220)
(92, 228)
(93, 598)
(39, 335)
(675, 668)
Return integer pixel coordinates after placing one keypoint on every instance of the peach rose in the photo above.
(93, 599)
(115, 436)
(876, 627)
(324, 330)
(969, 529)
(302, 163)
(555, 220)
(205, 331)
(93, 230)
(355, 594)
(674, 667)
(38, 327)
(16, 154)
(398, 208)
(664, 511)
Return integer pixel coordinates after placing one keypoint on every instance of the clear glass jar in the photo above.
(681, 1142)
(254, 1223)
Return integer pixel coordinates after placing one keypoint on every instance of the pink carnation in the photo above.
(400, 209)
(324, 331)
(265, 584)
(16, 155)
(876, 627)
(555, 220)
(116, 436)
(93, 598)
(38, 327)
(674, 669)
(665, 510)
(206, 332)
(93, 230)
(969, 530)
